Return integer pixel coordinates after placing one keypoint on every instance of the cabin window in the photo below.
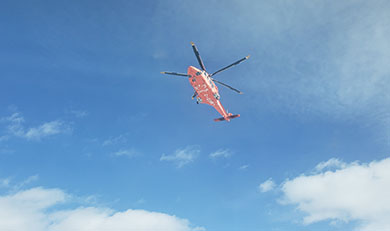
(198, 73)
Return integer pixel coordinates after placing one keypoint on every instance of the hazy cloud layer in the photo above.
(353, 192)
(34, 210)
(308, 57)
(337, 64)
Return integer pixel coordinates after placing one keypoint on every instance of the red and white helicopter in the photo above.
(204, 84)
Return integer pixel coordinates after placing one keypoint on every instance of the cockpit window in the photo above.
(198, 73)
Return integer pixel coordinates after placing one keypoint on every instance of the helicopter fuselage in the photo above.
(207, 91)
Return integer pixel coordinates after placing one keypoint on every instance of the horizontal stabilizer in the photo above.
(227, 118)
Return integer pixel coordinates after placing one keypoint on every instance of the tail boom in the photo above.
(231, 116)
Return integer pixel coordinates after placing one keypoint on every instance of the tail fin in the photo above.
(231, 116)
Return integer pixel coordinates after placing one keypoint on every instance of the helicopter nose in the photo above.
(192, 70)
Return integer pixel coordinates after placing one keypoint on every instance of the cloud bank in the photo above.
(39, 209)
(352, 192)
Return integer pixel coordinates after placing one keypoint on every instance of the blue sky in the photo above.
(92, 136)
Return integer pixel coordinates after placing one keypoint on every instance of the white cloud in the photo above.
(199, 229)
(126, 152)
(16, 128)
(183, 156)
(24, 210)
(243, 167)
(104, 219)
(115, 140)
(221, 153)
(267, 185)
(6, 183)
(14, 118)
(29, 180)
(46, 129)
(37, 209)
(14, 124)
(354, 192)
(78, 113)
(331, 163)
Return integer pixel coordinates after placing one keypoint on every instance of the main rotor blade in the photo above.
(224, 84)
(174, 73)
(198, 56)
(239, 61)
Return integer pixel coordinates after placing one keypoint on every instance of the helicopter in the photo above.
(206, 91)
